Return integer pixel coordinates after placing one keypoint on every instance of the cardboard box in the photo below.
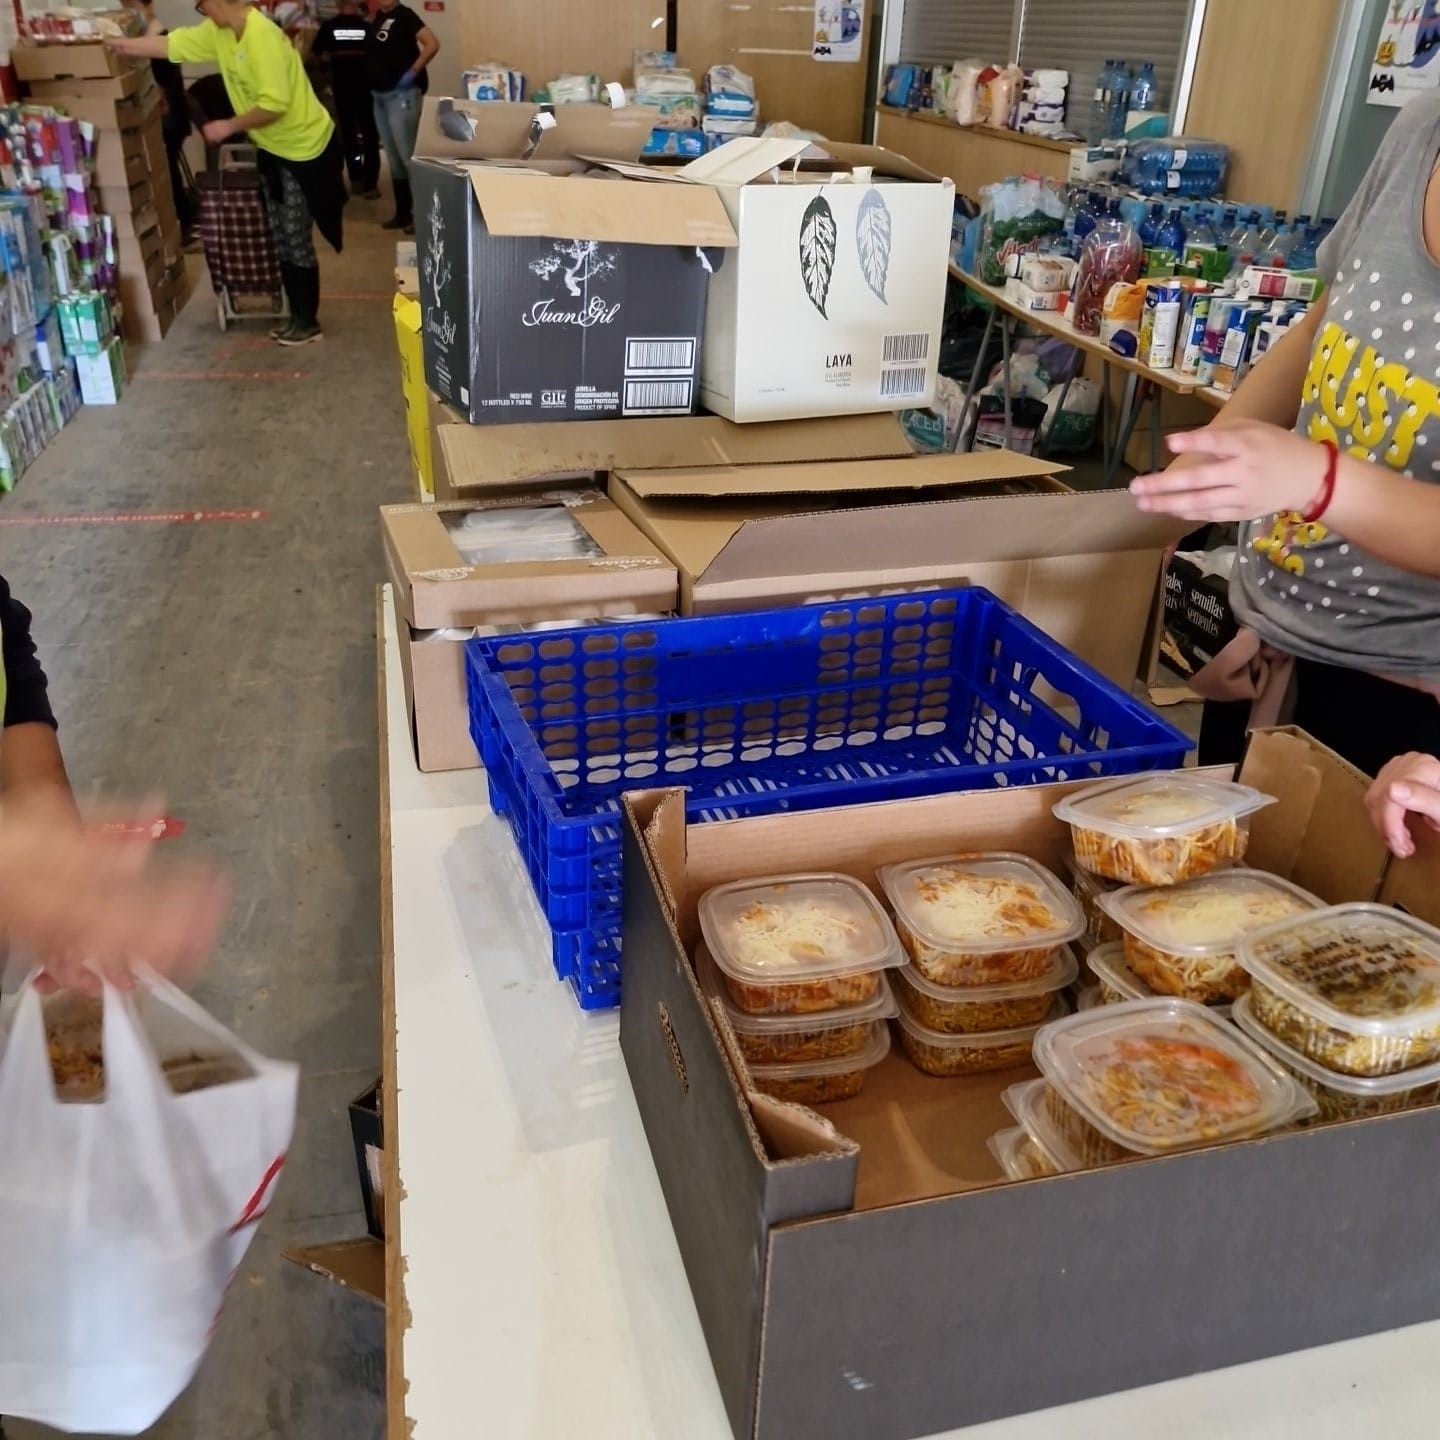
(558, 295)
(417, 396)
(88, 60)
(128, 83)
(1085, 567)
(435, 589)
(151, 309)
(120, 200)
(867, 1275)
(102, 376)
(120, 158)
(833, 303)
(367, 1131)
(477, 462)
(113, 112)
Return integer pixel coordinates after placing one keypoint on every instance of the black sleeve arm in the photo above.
(27, 693)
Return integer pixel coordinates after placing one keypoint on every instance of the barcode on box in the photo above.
(903, 383)
(905, 349)
(656, 356)
(655, 397)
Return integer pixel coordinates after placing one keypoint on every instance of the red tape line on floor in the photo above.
(222, 375)
(154, 517)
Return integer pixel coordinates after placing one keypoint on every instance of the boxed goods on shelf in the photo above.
(784, 709)
(807, 1237)
(102, 376)
(509, 559)
(577, 328)
(845, 254)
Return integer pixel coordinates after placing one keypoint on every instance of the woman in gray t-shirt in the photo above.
(1333, 441)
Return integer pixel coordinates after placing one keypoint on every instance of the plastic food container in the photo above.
(1161, 1075)
(1089, 998)
(1356, 988)
(1059, 1130)
(1087, 890)
(973, 1009)
(1118, 983)
(1343, 1097)
(1182, 939)
(1160, 829)
(985, 919)
(780, 1039)
(799, 944)
(817, 1082)
(1018, 1156)
(937, 1053)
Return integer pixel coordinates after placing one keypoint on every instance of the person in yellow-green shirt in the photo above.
(301, 158)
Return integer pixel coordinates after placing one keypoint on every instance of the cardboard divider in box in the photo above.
(811, 1241)
(1085, 567)
(476, 461)
(592, 287)
(438, 589)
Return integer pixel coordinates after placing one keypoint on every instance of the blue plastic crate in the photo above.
(835, 704)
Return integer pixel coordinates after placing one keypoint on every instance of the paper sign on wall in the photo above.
(837, 31)
(1407, 55)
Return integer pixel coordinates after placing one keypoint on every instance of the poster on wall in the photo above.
(1407, 55)
(837, 31)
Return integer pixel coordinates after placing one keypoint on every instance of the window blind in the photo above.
(939, 32)
(1064, 35)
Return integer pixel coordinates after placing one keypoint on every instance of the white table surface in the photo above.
(546, 1294)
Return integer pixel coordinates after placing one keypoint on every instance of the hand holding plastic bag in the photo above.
(122, 1220)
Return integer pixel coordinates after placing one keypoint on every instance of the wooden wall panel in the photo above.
(546, 38)
(771, 39)
(971, 157)
(1257, 79)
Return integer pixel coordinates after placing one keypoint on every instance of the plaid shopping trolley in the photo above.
(238, 242)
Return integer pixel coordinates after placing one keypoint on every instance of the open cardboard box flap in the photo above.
(622, 212)
(744, 160)
(502, 131)
(435, 587)
(484, 457)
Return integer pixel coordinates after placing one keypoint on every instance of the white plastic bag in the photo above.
(122, 1220)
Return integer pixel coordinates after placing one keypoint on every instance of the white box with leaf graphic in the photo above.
(834, 300)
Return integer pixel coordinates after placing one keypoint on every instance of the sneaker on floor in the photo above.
(283, 328)
(300, 335)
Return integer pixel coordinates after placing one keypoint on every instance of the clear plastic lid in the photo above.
(1026, 1102)
(1108, 963)
(1146, 806)
(1370, 1086)
(1084, 885)
(1207, 916)
(1061, 971)
(876, 1049)
(1364, 969)
(981, 1039)
(881, 1006)
(794, 928)
(982, 904)
(1020, 1155)
(1089, 998)
(1164, 1074)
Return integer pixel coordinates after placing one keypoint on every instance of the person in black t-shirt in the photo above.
(400, 48)
(344, 41)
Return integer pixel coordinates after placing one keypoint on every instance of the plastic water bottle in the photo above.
(1150, 225)
(1247, 241)
(1100, 107)
(1303, 256)
(1091, 209)
(1171, 236)
(1119, 101)
(1142, 97)
(1112, 255)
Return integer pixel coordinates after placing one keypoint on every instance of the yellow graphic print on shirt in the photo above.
(1368, 408)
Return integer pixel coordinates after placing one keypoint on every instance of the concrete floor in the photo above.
(231, 668)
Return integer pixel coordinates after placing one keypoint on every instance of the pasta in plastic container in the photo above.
(1356, 988)
(972, 1009)
(1087, 890)
(947, 1055)
(1343, 1097)
(784, 1039)
(1018, 1156)
(1064, 1135)
(1156, 1076)
(818, 1082)
(1160, 829)
(800, 944)
(1183, 939)
(985, 919)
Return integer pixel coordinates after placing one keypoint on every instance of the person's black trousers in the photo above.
(355, 119)
(1366, 720)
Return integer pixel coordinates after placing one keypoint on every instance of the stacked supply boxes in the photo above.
(119, 110)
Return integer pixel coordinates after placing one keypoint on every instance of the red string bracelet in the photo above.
(1327, 486)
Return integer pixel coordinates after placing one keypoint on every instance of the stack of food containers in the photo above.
(987, 937)
(1349, 1000)
(1150, 1077)
(1019, 1156)
(800, 963)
